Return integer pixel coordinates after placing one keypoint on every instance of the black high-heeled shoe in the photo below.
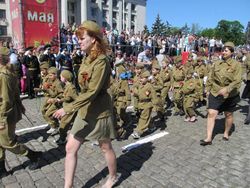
(246, 122)
(204, 143)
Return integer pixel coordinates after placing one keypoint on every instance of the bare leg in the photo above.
(210, 123)
(110, 158)
(72, 147)
(228, 123)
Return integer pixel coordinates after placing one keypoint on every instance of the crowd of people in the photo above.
(89, 84)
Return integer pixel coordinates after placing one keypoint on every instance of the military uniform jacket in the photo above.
(10, 102)
(178, 77)
(122, 92)
(247, 63)
(94, 79)
(146, 96)
(32, 64)
(158, 83)
(55, 89)
(189, 87)
(225, 73)
(69, 93)
(201, 70)
(166, 76)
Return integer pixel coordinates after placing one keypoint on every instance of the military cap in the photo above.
(156, 66)
(4, 51)
(52, 70)
(145, 74)
(44, 65)
(229, 44)
(92, 26)
(67, 75)
(139, 65)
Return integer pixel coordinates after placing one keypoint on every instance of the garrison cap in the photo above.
(156, 66)
(139, 65)
(229, 44)
(52, 70)
(92, 26)
(4, 51)
(44, 65)
(67, 75)
(145, 74)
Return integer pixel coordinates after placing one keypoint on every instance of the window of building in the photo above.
(71, 6)
(114, 25)
(115, 15)
(133, 7)
(93, 12)
(71, 19)
(93, 1)
(105, 2)
(104, 14)
(115, 3)
(104, 24)
(3, 30)
(132, 18)
(2, 14)
(2, 1)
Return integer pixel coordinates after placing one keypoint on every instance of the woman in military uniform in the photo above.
(223, 92)
(93, 105)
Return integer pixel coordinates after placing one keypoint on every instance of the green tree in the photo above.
(158, 28)
(145, 29)
(195, 28)
(230, 31)
(208, 32)
(247, 34)
(185, 29)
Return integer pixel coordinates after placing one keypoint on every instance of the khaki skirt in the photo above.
(94, 129)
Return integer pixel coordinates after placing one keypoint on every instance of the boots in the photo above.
(34, 157)
(3, 171)
(62, 139)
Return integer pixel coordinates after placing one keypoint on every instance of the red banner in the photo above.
(40, 22)
(16, 19)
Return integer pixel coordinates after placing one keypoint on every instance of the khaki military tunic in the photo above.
(166, 76)
(158, 86)
(189, 95)
(122, 101)
(10, 113)
(54, 91)
(201, 71)
(225, 74)
(146, 97)
(178, 81)
(93, 104)
(69, 95)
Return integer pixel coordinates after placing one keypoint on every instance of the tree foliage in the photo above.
(230, 31)
(247, 34)
(158, 28)
(208, 32)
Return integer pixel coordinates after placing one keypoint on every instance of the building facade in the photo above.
(129, 15)
(111, 14)
(5, 24)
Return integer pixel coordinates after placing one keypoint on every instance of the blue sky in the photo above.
(206, 13)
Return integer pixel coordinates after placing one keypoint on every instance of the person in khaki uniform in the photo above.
(157, 83)
(223, 92)
(246, 91)
(166, 75)
(94, 120)
(189, 96)
(122, 101)
(11, 110)
(200, 72)
(146, 97)
(69, 95)
(139, 67)
(177, 83)
(54, 90)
